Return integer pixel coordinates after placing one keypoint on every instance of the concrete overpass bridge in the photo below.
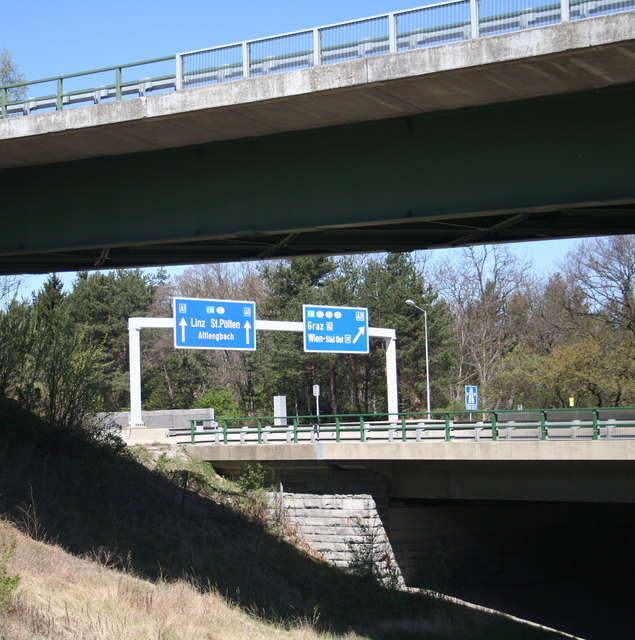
(535, 526)
(563, 455)
(421, 129)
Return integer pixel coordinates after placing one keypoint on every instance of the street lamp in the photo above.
(425, 321)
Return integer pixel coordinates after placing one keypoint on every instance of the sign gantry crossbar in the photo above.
(136, 324)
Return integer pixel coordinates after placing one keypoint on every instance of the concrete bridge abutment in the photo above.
(511, 536)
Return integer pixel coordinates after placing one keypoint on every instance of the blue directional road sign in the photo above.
(335, 329)
(214, 324)
(471, 398)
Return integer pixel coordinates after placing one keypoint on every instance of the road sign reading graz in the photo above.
(214, 324)
(335, 329)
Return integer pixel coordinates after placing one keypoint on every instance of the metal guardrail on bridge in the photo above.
(537, 424)
(434, 24)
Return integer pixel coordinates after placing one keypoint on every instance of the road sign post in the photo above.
(335, 329)
(214, 324)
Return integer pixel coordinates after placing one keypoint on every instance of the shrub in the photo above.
(252, 478)
(8, 584)
(222, 401)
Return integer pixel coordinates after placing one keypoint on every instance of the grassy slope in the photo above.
(185, 548)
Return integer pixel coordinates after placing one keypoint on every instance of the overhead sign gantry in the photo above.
(230, 324)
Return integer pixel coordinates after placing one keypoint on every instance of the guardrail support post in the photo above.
(392, 32)
(362, 433)
(118, 83)
(494, 428)
(337, 428)
(543, 426)
(59, 101)
(295, 429)
(596, 429)
(447, 427)
(564, 11)
(259, 431)
(246, 60)
(317, 48)
(474, 19)
(3, 102)
(179, 71)
(404, 435)
(225, 431)
(192, 428)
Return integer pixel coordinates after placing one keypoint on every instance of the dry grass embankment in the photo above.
(112, 546)
(67, 598)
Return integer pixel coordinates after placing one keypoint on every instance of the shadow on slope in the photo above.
(89, 500)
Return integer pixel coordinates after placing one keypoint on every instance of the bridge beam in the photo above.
(544, 168)
(564, 471)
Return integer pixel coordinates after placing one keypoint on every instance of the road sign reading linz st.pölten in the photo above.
(214, 324)
(335, 329)
(471, 398)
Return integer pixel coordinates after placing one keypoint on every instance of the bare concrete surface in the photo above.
(569, 450)
(556, 59)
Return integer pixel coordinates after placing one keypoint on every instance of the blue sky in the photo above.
(57, 38)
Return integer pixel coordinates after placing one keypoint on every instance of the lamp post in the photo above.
(425, 322)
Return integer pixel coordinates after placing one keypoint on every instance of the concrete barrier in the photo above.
(157, 423)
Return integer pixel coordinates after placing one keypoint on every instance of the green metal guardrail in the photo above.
(61, 97)
(545, 424)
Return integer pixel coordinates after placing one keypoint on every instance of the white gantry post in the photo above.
(134, 328)
(391, 376)
(134, 346)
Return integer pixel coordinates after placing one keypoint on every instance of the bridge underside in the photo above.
(537, 169)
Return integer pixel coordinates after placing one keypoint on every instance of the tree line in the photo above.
(522, 340)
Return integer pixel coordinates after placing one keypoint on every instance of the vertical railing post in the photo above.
(543, 425)
(317, 48)
(404, 435)
(447, 427)
(259, 430)
(179, 71)
(337, 428)
(225, 431)
(565, 12)
(295, 429)
(192, 428)
(118, 83)
(246, 60)
(3, 102)
(474, 19)
(59, 102)
(596, 429)
(392, 33)
(494, 428)
(362, 434)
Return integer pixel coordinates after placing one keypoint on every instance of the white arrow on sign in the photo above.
(247, 328)
(183, 324)
(359, 333)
